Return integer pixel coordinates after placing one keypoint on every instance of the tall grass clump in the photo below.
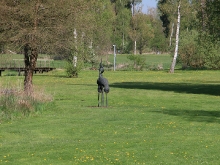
(15, 103)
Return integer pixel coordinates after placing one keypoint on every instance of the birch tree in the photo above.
(177, 41)
(135, 2)
(141, 31)
(121, 24)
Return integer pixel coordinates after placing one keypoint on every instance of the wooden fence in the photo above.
(43, 65)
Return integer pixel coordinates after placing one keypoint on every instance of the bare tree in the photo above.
(30, 26)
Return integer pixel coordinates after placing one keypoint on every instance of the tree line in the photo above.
(81, 28)
(87, 29)
(68, 26)
(199, 31)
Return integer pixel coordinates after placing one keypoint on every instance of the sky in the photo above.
(148, 3)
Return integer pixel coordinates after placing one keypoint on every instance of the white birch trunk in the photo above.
(135, 42)
(123, 42)
(177, 42)
(75, 35)
(171, 35)
(135, 47)
(75, 56)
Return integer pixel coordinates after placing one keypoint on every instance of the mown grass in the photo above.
(153, 118)
(152, 61)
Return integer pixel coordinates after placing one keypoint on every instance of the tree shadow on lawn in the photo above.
(208, 89)
(50, 75)
(194, 115)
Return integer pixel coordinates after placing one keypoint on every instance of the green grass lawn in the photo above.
(151, 60)
(153, 118)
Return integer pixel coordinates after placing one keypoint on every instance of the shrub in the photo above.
(189, 51)
(139, 61)
(209, 49)
(73, 71)
(199, 51)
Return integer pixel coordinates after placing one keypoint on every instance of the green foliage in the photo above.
(56, 21)
(189, 54)
(199, 32)
(101, 28)
(168, 14)
(73, 71)
(212, 20)
(139, 61)
(121, 26)
(209, 50)
(158, 42)
(141, 30)
(208, 27)
(198, 51)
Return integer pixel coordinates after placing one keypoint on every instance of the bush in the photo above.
(139, 61)
(199, 51)
(188, 50)
(73, 71)
(209, 49)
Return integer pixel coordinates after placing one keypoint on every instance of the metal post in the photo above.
(114, 55)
